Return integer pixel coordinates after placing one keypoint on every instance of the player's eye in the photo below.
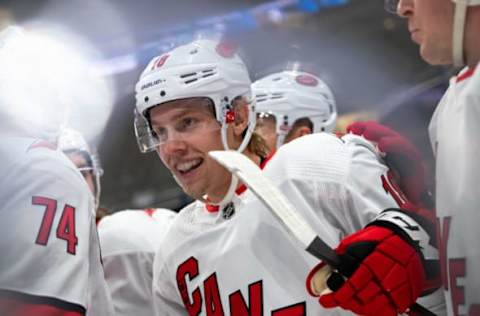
(187, 124)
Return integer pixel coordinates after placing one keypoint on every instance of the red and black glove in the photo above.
(400, 155)
(383, 266)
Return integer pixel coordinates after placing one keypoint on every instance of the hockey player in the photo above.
(129, 240)
(50, 262)
(453, 131)
(74, 145)
(291, 104)
(225, 254)
(447, 34)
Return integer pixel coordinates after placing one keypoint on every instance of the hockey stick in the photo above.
(252, 176)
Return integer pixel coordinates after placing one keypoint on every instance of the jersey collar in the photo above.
(213, 208)
(465, 74)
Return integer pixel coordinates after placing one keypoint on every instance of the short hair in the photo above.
(301, 122)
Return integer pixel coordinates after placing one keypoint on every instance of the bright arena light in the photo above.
(46, 81)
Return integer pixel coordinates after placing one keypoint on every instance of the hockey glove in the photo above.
(383, 266)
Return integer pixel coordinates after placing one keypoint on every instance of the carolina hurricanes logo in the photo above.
(226, 49)
(160, 61)
(307, 80)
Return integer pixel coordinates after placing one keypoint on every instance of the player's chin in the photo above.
(193, 189)
(194, 192)
(438, 55)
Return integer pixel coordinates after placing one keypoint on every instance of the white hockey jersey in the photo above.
(48, 239)
(243, 262)
(454, 132)
(129, 240)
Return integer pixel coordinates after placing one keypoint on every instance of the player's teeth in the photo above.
(185, 166)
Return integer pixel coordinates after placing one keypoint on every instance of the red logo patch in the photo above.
(226, 49)
(160, 61)
(307, 80)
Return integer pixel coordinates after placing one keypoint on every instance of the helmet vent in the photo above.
(208, 72)
(188, 75)
(191, 77)
(261, 97)
(191, 80)
(277, 95)
(195, 76)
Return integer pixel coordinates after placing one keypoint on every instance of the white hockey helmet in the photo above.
(291, 95)
(31, 100)
(203, 68)
(460, 16)
(71, 141)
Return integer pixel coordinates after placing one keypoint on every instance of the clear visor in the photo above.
(178, 120)
(391, 6)
(86, 169)
(85, 161)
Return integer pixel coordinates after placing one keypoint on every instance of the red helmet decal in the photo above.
(160, 61)
(226, 49)
(307, 80)
(230, 117)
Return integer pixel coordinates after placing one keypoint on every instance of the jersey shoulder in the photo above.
(46, 222)
(321, 157)
(131, 231)
(33, 160)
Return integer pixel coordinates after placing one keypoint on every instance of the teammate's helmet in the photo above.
(291, 95)
(203, 68)
(72, 142)
(31, 102)
(460, 16)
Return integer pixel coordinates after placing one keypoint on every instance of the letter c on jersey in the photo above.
(189, 268)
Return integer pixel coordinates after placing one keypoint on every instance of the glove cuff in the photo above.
(419, 232)
(411, 228)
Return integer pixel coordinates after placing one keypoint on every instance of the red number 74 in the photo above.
(66, 225)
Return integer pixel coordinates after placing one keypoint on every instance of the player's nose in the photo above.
(405, 8)
(171, 148)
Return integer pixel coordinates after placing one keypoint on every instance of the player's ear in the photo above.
(303, 130)
(298, 132)
(241, 117)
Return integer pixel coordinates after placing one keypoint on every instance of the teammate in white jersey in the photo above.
(129, 240)
(50, 262)
(308, 103)
(74, 145)
(447, 32)
(233, 258)
(453, 131)
(291, 104)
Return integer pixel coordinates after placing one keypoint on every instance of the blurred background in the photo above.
(364, 53)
